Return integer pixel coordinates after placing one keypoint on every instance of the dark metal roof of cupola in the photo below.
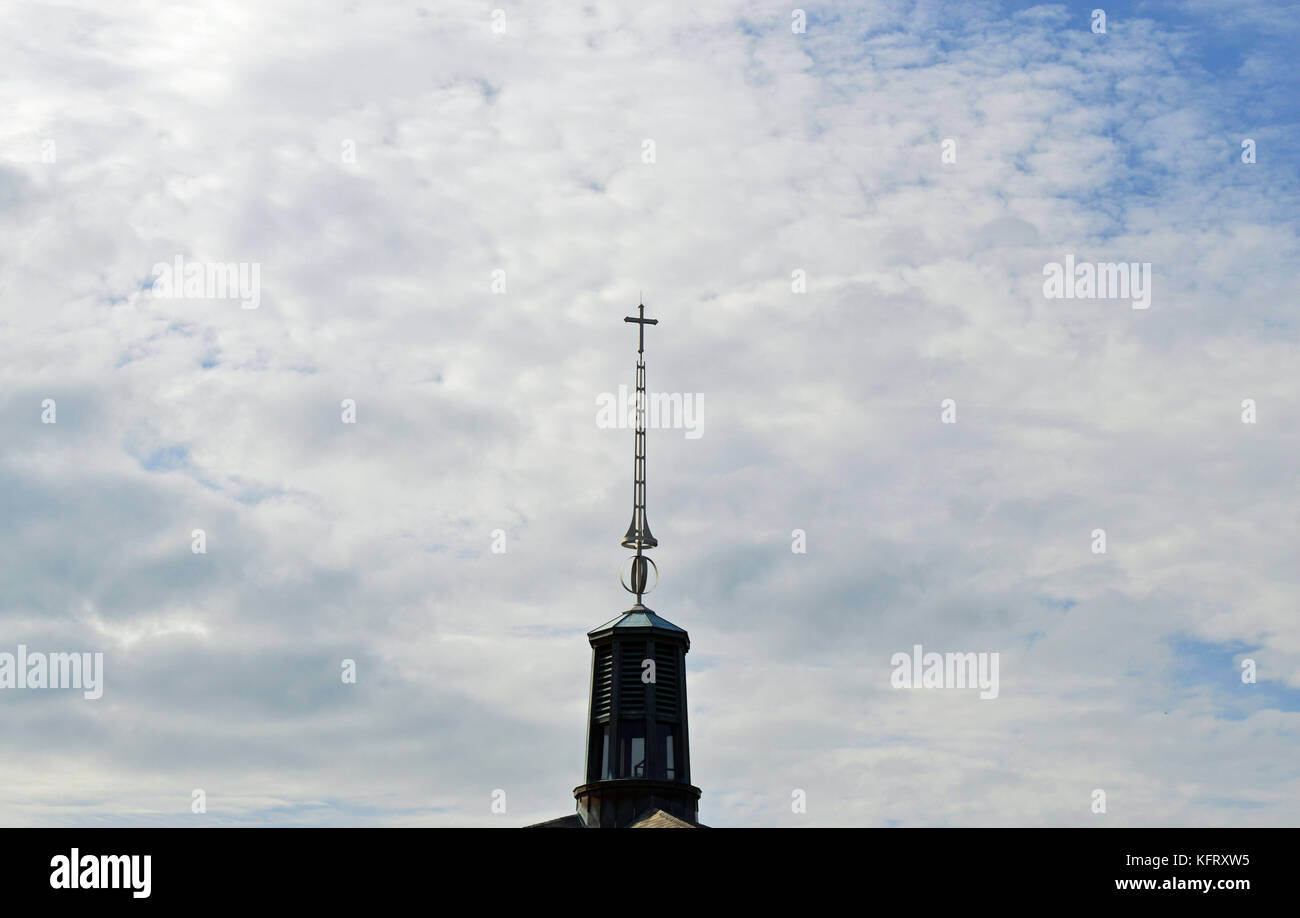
(637, 617)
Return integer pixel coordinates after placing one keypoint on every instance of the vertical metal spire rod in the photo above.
(638, 533)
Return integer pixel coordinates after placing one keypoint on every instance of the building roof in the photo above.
(638, 617)
(658, 819)
(572, 821)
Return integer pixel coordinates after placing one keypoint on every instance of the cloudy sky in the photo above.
(452, 209)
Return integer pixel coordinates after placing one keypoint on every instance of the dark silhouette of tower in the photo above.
(638, 746)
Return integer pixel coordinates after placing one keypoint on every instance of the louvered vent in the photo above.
(631, 690)
(604, 690)
(667, 696)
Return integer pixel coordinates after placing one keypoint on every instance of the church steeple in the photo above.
(638, 752)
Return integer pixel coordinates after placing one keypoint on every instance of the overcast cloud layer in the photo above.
(137, 132)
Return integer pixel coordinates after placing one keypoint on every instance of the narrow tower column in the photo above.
(638, 750)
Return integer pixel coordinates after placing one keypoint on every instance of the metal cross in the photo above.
(643, 322)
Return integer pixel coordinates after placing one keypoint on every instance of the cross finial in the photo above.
(641, 320)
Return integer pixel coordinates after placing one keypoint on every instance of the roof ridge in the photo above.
(659, 818)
